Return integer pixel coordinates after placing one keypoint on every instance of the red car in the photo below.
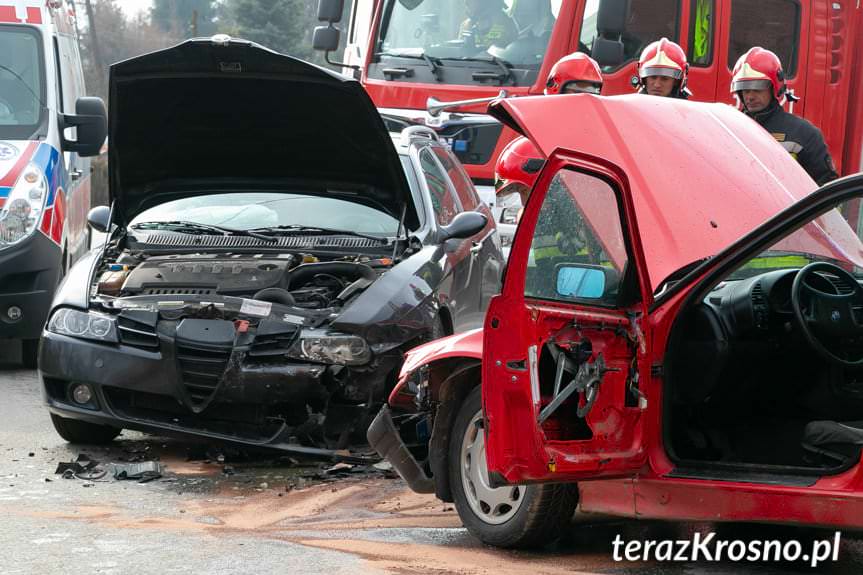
(679, 335)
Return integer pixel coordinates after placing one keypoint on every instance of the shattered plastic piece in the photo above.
(143, 472)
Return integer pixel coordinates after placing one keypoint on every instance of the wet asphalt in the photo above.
(218, 511)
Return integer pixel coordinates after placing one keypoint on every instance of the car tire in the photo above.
(75, 431)
(520, 516)
(30, 353)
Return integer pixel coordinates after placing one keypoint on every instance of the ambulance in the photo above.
(48, 131)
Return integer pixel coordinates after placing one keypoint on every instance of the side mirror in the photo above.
(91, 121)
(325, 38)
(584, 281)
(612, 17)
(99, 218)
(330, 10)
(464, 225)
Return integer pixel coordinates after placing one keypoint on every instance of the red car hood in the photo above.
(701, 175)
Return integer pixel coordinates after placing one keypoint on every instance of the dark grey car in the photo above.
(271, 256)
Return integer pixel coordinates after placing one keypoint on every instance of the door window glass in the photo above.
(771, 24)
(578, 251)
(649, 20)
(444, 203)
(459, 178)
(701, 33)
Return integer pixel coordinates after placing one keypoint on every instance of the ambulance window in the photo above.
(771, 24)
(578, 253)
(443, 201)
(22, 83)
(649, 20)
(701, 28)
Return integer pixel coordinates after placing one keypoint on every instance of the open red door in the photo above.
(562, 342)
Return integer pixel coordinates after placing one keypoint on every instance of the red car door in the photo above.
(563, 343)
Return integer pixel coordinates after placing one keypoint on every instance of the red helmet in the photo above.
(759, 69)
(517, 168)
(664, 58)
(575, 67)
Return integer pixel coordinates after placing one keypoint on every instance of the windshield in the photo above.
(834, 237)
(515, 32)
(22, 87)
(247, 211)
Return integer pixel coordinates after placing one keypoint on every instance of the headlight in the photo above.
(341, 349)
(82, 324)
(20, 215)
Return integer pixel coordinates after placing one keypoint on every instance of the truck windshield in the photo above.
(486, 35)
(22, 85)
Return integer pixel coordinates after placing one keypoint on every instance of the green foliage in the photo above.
(282, 25)
(186, 18)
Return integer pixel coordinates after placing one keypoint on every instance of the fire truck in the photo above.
(421, 64)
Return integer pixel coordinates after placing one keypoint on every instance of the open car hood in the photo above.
(232, 115)
(701, 175)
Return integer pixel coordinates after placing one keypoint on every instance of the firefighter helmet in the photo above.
(575, 67)
(759, 69)
(664, 58)
(517, 168)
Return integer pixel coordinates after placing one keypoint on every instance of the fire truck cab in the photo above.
(410, 51)
(48, 129)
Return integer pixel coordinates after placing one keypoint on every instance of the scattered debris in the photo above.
(89, 469)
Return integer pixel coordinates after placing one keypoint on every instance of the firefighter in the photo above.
(517, 168)
(663, 70)
(758, 83)
(575, 73)
(487, 25)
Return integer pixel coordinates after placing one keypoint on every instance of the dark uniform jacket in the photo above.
(802, 140)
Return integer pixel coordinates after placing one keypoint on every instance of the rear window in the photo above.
(649, 20)
(771, 24)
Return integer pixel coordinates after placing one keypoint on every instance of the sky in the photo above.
(132, 7)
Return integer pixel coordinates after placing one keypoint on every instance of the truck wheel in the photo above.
(30, 353)
(75, 431)
(511, 516)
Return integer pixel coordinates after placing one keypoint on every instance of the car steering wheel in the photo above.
(830, 314)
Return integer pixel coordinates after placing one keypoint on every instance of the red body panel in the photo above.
(738, 186)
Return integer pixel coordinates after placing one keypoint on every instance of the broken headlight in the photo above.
(20, 215)
(82, 324)
(328, 347)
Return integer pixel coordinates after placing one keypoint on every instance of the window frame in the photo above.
(790, 67)
(470, 190)
(711, 52)
(678, 15)
(449, 187)
(628, 292)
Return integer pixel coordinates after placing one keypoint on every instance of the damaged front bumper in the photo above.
(386, 440)
(183, 377)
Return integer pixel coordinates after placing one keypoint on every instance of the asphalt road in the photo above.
(217, 511)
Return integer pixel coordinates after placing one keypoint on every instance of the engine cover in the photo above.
(207, 274)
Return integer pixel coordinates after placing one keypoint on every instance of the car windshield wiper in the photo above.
(434, 65)
(506, 67)
(194, 227)
(317, 229)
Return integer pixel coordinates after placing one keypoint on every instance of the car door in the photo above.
(486, 262)
(460, 286)
(564, 351)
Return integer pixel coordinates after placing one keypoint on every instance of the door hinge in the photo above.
(657, 370)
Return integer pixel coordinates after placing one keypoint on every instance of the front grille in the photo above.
(271, 345)
(201, 370)
(137, 334)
